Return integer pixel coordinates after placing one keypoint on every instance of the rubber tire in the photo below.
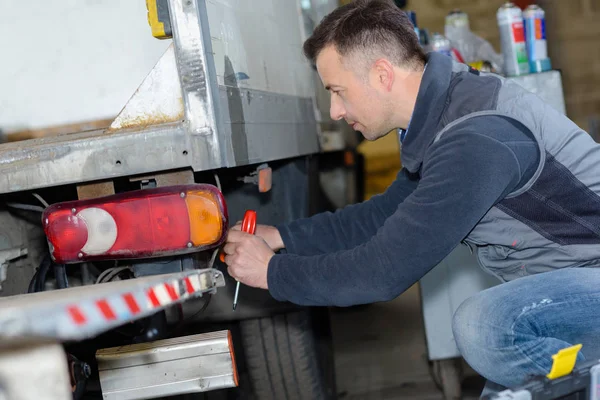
(286, 359)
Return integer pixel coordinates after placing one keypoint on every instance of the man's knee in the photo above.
(483, 331)
(479, 325)
(465, 326)
(475, 337)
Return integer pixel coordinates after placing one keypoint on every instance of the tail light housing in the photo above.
(139, 224)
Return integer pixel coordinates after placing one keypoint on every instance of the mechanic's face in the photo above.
(356, 96)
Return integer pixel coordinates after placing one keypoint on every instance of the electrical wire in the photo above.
(218, 181)
(44, 202)
(182, 319)
(38, 281)
(28, 207)
(110, 273)
(103, 274)
(203, 308)
(114, 274)
(41, 279)
(33, 282)
(60, 274)
(211, 263)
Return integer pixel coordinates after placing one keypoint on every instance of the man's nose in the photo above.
(336, 111)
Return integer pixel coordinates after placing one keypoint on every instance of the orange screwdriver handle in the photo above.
(248, 226)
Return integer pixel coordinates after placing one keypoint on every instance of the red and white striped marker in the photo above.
(158, 296)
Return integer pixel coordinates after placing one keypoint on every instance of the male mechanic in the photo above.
(485, 163)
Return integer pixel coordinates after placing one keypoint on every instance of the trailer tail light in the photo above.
(144, 223)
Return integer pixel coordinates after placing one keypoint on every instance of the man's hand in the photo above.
(268, 233)
(247, 257)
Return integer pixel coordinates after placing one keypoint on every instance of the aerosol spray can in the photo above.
(439, 43)
(512, 40)
(535, 37)
(457, 19)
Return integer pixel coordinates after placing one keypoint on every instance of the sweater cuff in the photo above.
(273, 278)
(287, 238)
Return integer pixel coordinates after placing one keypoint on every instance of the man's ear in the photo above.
(384, 74)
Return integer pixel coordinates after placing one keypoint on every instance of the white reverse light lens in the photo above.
(102, 231)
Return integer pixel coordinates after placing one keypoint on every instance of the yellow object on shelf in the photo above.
(564, 362)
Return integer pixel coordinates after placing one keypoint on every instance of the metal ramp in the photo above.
(82, 312)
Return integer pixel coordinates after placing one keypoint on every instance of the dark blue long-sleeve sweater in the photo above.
(375, 250)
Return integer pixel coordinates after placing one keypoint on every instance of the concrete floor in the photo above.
(381, 354)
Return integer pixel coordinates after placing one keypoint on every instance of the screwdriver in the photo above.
(248, 226)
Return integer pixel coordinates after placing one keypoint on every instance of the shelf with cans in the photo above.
(522, 40)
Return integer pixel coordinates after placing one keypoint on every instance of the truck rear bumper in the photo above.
(187, 364)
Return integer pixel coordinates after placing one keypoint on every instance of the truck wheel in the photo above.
(287, 359)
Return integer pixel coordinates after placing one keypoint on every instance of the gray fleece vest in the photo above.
(551, 222)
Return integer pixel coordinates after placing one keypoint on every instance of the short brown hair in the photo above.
(373, 28)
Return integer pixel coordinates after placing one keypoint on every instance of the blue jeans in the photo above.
(510, 331)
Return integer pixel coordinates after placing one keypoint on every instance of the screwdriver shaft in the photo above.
(235, 296)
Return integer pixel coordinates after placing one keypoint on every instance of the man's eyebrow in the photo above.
(328, 87)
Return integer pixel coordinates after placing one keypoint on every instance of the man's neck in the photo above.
(405, 95)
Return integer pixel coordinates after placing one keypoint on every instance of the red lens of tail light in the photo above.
(140, 224)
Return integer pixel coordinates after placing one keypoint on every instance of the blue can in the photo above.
(534, 19)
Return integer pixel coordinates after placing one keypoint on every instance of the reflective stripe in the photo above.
(106, 310)
(131, 303)
(76, 315)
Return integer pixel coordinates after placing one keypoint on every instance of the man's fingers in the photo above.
(235, 236)
(233, 261)
(229, 248)
(235, 272)
(230, 271)
(229, 262)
